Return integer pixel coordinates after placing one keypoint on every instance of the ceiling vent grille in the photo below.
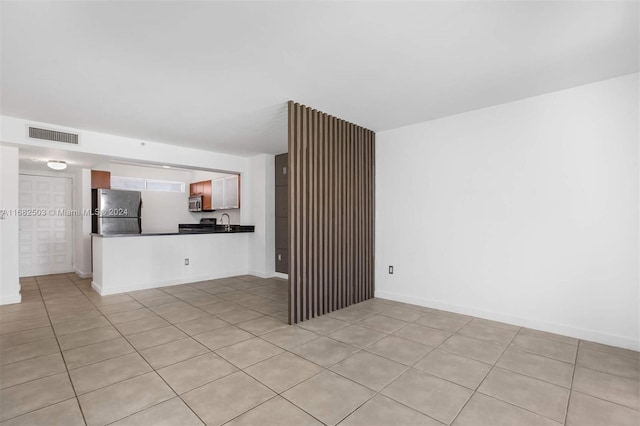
(53, 135)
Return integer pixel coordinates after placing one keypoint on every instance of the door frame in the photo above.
(64, 175)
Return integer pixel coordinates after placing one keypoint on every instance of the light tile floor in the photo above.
(220, 352)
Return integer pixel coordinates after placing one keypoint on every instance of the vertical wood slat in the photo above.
(341, 242)
(331, 210)
(315, 215)
(365, 206)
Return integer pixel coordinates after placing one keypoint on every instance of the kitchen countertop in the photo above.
(218, 229)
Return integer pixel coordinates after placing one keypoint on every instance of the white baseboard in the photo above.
(10, 300)
(261, 274)
(269, 274)
(578, 333)
(97, 287)
(127, 287)
(82, 274)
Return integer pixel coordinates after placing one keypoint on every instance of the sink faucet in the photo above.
(228, 226)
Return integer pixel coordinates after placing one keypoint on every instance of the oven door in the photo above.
(195, 204)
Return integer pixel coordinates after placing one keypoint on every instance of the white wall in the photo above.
(82, 224)
(14, 131)
(13, 134)
(161, 211)
(9, 183)
(262, 184)
(525, 212)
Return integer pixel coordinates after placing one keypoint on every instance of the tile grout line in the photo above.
(135, 349)
(270, 399)
(521, 349)
(573, 375)
(423, 372)
(380, 392)
(353, 323)
(637, 359)
(63, 360)
(507, 402)
(359, 350)
(152, 370)
(532, 377)
(277, 394)
(413, 365)
(376, 393)
(485, 378)
(604, 400)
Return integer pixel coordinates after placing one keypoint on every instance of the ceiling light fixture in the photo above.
(56, 165)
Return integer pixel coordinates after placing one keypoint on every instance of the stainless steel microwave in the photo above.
(195, 203)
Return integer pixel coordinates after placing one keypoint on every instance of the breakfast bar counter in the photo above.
(130, 262)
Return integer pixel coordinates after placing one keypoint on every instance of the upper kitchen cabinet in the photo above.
(203, 189)
(226, 193)
(196, 188)
(219, 194)
(217, 190)
(231, 193)
(207, 202)
(100, 179)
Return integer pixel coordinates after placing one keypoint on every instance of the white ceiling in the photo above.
(35, 159)
(217, 75)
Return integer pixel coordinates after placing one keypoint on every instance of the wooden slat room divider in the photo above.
(331, 213)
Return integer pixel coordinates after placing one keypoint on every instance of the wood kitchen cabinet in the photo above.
(203, 189)
(219, 194)
(196, 188)
(100, 179)
(207, 202)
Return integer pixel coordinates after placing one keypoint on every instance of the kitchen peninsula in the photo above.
(130, 262)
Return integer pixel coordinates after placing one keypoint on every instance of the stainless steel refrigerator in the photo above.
(116, 212)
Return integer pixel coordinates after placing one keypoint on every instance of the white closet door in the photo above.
(45, 240)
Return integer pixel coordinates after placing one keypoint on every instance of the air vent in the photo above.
(53, 135)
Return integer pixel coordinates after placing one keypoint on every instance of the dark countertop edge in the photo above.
(172, 233)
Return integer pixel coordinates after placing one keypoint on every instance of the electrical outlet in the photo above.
(391, 269)
(186, 262)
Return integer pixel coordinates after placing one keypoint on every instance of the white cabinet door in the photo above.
(231, 193)
(217, 194)
(225, 193)
(45, 240)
